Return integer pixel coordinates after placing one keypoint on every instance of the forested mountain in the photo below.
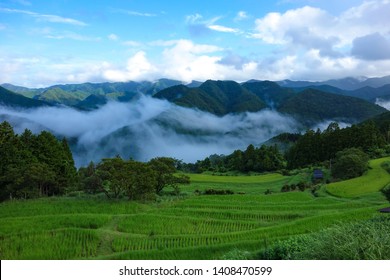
(217, 97)
(308, 102)
(370, 93)
(270, 92)
(27, 92)
(56, 95)
(314, 105)
(309, 105)
(73, 94)
(11, 99)
(348, 83)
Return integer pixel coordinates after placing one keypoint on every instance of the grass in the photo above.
(192, 227)
(375, 179)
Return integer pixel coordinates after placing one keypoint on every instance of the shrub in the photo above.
(366, 240)
(237, 254)
(217, 192)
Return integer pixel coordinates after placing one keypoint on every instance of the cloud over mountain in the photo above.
(149, 128)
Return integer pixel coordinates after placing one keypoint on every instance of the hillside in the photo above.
(93, 101)
(27, 92)
(312, 105)
(9, 98)
(349, 83)
(217, 97)
(270, 92)
(56, 95)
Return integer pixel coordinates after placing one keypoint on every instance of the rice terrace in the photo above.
(242, 225)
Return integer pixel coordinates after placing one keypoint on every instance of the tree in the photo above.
(32, 166)
(164, 169)
(89, 180)
(350, 163)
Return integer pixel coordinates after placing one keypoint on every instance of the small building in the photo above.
(385, 210)
(318, 174)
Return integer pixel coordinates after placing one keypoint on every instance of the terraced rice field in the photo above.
(193, 227)
(375, 179)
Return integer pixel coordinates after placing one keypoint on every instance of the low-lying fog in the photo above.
(149, 128)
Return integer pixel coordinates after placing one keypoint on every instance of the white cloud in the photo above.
(44, 17)
(72, 36)
(133, 13)
(138, 68)
(241, 15)
(193, 18)
(199, 26)
(368, 18)
(225, 29)
(113, 37)
(322, 46)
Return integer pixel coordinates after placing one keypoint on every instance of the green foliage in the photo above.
(313, 105)
(237, 254)
(262, 159)
(217, 192)
(270, 92)
(164, 169)
(34, 165)
(12, 99)
(386, 192)
(315, 146)
(217, 97)
(373, 181)
(60, 96)
(134, 179)
(350, 163)
(285, 249)
(366, 240)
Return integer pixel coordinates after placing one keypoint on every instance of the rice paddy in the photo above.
(192, 227)
(375, 179)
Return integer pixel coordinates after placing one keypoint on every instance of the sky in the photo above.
(74, 41)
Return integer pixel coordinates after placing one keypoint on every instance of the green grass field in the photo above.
(189, 227)
(375, 179)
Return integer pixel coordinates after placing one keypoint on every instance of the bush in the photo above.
(217, 192)
(386, 192)
(365, 240)
(286, 249)
(237, 254)
(350, 163)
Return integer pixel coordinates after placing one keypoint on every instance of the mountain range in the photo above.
(186, 121)
(350, 99)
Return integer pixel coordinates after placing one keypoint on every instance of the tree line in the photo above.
(34, 165)
(252, 159)
(345, 151)
(40, 165)
(315, 147)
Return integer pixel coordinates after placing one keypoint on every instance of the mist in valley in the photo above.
(148, 128)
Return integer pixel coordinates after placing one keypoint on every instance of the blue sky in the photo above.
(74, 41)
